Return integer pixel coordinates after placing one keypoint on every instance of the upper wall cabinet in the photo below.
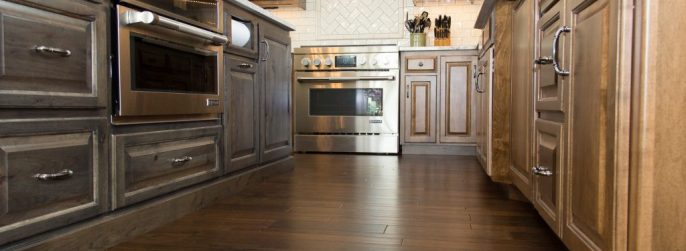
(54, 54)
(273, 4)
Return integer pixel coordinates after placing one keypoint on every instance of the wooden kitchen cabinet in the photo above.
(437, 104)
(483, 116)
(522, 119)
(258, 89)
(54, 173)
(547, 184)
(420, 109)
(54, 54)
(455, 122)
(234, 14)
(242, 113)
(151, 163)
(275, 68)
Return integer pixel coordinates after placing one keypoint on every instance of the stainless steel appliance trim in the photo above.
(132, 17)
(216, 28)
(346, 78)
(347, 143)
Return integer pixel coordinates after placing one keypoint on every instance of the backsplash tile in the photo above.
(357, 22)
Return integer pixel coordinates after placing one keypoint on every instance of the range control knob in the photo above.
(362, 60)
(328, 62)
(317, 62)
(383, 60)
(305, 62)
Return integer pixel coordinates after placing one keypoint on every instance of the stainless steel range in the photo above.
(346, 99)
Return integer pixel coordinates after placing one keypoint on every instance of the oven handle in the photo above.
(148, 18)
(367, 78)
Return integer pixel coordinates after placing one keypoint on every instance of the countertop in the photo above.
(261, 12)
(438, 48)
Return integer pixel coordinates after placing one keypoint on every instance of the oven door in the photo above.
(166, 72)
(346, 102)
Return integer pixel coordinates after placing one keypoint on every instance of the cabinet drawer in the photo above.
(51, 175)
(150, 164)
(49, 59)
(421, 64)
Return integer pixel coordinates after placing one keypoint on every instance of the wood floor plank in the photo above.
(353, 202)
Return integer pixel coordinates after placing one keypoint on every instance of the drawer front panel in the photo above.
(150, 164)
(48, 59)
(51, 174)
(421, 64)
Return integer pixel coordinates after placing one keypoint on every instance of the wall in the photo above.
(355, 22)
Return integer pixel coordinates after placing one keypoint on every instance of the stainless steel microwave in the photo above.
(166, 67)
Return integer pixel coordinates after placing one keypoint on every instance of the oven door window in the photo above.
(346, 102)
(166, 68)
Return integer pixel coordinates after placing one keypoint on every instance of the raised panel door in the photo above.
(549, 87)
(456, 99)
(242, 124)
(420, 109)
(522, 98)
(548, 171)
(596, 176)
(275, 63)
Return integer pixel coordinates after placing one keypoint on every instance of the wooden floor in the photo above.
(342, 202)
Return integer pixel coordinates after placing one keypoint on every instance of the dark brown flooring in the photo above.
(344, 202)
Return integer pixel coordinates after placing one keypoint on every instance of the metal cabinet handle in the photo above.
(267, 49)
(543, 60)
(181, 161)
(541, 171)
(53, 51)
(421, 64)
(246, 66)
(61, 175)
(556, 43)
(407, 91)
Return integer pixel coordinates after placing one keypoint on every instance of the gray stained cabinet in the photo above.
(456, 106)
(53, 173)
(242, 113)
(148, 164)
(258, 89)
(54, 54)
(275, 66)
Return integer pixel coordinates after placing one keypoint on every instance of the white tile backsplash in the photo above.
(355, 22)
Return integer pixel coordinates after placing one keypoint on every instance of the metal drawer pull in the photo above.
(556, 43)
(543, 60)
(181, 161)
(421, 64)
(244, 65)
(541, 171)
(52, 51)
(61, 175)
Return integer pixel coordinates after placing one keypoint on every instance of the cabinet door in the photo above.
(53, 173)
(548, 176)
(242, 120)
(522, 100)
(596, 176)
(276, 66)
(483, 112)
(549, 87)
(456, 100)
(54, 54)
(420, 109)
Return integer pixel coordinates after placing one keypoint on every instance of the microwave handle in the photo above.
(346, 78)
(146, 17)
